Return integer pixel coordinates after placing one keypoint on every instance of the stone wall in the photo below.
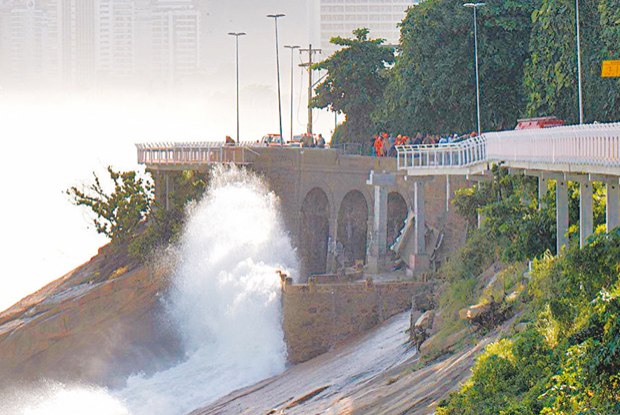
(294, 173)
(318, 316)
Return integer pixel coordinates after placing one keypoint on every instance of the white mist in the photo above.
(225, 300)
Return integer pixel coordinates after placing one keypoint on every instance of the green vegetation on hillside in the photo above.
(128, 213)
(528, 67)
(119, 212)
(361, 67)
(565, 358)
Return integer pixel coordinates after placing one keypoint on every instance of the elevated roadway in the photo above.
(583, 154)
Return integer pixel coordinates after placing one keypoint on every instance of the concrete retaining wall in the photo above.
(316, 317)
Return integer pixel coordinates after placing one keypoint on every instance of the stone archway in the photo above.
(353, 228)
(314, 233)
(396, 217)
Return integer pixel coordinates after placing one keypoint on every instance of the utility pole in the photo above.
(308, 65)
(475, 7)
(236, 35)
(275, 18)
(579, 81)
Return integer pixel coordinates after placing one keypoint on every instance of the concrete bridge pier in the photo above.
(332, 261)
(543, 188)
(613, 205)
(561, 197)
(420, 258)
(377, 247)
(586, 217)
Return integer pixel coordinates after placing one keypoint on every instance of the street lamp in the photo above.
(275, 18)
(579, 62)
(475, 7)
(292, 48)
(237, 35)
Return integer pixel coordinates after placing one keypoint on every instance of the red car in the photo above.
(540, 122)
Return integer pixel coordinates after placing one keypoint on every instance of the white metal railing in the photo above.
(592, 144)
(195, 153)
(449, 155)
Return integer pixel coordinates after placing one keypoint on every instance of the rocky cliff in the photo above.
(96, 325)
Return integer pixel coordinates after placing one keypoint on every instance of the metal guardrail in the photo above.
(195, 153)
(349, 149)
(449, 155)
(584, 145)
(592, 144)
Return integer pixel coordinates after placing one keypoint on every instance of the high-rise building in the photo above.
(176, 40)
(115, 39)
(28, 53)
(52, 10)
(341, 17)
(26, 41)
(84, 42)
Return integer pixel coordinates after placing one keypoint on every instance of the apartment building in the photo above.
(341, 17)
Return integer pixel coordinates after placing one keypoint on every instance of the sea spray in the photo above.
(54, 398)
(225, 301)
(225, 298)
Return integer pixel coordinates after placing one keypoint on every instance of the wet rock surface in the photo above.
(96, 325)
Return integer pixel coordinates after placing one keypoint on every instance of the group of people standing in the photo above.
(384, 144)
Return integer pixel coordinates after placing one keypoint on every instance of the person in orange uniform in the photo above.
(379, 146)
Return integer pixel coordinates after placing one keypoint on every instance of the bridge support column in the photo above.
(561, 197)
(421, 260)
(543, 187)
(377, 251)
(613, 205)
(332, 232)
(586, 220)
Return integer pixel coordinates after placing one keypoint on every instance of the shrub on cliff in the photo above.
(119, 212)
(567, 362)
(165, 225)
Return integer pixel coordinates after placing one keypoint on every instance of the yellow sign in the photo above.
(611, 69)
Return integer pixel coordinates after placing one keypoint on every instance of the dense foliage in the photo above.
(118, 213)
(551, 73)
(166, 223)
(528, 67)
(566, 357)
(129, 215)
(432, 85)
(355, 82)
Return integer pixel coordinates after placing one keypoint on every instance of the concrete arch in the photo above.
(340, 196)
(314, 235)
(352, 230)
(325, 187)
(397, 212)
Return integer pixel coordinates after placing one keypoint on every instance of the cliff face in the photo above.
(96, 325)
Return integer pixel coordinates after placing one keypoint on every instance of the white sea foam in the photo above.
(58, 399)
(225, 301)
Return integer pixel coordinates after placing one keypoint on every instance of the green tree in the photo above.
(165, 225)
(568, 361)
(513, 220)
(551, 74)
(355, 82)
(118, 213)
(609, 11)
(432, 85)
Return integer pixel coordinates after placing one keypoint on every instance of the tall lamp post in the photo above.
(237, 35)
(292, 48)
(275, 18)
(579, 62)
(475, 7)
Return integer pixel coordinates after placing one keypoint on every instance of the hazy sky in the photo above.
(54, 140)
